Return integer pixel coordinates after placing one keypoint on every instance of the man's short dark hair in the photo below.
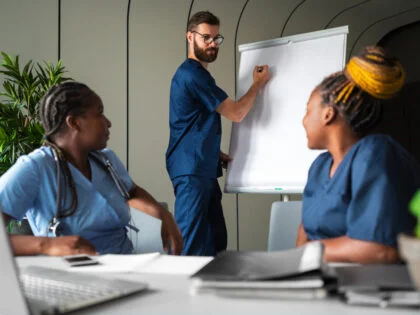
(202, 17)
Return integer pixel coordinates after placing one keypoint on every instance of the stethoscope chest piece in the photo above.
(55, 226)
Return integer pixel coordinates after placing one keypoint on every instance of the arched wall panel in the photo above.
(93, 50)
(375, 32)
(369, 13)
(156, 49)
(401, 116)
(310, 10)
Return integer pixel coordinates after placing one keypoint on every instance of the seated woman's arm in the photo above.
(58, 246)
(143, 201)
(345, 249)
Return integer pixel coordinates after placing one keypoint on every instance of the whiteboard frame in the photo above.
(276, 42)
(296, 38)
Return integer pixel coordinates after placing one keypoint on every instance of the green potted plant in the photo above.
(21, 130)
(409, 246)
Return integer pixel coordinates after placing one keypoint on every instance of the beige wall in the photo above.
(94, 49)
(155, 52)
(30, 29)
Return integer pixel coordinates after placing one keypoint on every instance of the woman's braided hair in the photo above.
(68, 98)
(357, 91)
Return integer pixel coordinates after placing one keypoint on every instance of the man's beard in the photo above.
(201, 54)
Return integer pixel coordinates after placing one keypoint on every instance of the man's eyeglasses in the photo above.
(218, 40)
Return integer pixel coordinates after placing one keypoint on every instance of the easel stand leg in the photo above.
(237, 221)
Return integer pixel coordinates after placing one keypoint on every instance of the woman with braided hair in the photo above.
(73, 184)
(357, 194)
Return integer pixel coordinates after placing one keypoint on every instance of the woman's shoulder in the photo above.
(378, 140)
(321, 161)
(39, 156)
(322, 158)
(108, 152)
(380, 144)
(111, 155)
(383, 149)
(32, 164)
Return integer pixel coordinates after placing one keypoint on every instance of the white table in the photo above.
(169, 294)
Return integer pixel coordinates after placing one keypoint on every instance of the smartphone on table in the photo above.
(80, 260)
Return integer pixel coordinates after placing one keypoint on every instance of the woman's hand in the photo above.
(171, 234)
(301, 238)
(53, 246)
(66, 245)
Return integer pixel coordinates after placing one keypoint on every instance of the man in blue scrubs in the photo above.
(193, 157)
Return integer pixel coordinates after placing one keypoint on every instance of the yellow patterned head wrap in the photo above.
(373, 72)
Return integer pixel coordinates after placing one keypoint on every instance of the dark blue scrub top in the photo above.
(367, 197)
(195, 126)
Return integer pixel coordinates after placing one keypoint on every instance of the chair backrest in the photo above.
(285, 218)
(148, 239)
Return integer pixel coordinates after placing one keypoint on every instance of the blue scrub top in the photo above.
(367, 197)
(195, 126)
(29, 188)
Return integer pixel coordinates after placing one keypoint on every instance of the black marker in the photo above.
(260, 69)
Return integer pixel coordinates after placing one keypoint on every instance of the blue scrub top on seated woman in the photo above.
(367, 197)
(29, 188)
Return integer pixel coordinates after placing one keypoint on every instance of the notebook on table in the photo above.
(296, 273)
(39, 290)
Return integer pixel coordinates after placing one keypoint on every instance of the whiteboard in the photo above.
(269, 147)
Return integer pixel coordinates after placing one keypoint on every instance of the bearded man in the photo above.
(193, 158)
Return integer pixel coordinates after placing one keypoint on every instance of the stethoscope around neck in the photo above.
(54, 225)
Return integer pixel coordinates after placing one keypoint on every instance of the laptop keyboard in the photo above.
(62, 293)
(58, 291)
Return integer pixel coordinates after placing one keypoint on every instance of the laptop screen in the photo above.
(15, 302)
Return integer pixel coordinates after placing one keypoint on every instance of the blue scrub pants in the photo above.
(199, 214)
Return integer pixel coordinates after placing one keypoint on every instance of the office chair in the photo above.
(148, 239)
(285, 218)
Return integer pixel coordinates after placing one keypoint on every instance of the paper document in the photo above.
(180, 265)
(311, 257)
(118, 263)
(146, 263)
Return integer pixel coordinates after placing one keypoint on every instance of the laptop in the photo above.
(39, 290)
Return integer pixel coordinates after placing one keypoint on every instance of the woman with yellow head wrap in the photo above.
(356, 197)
